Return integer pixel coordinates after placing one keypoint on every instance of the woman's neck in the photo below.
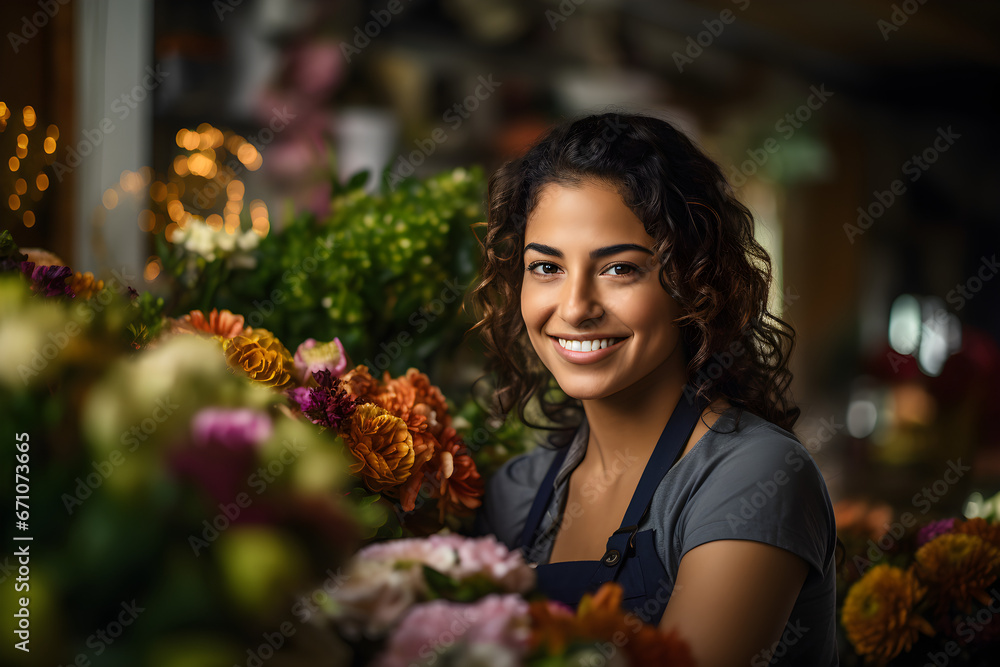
(634, 418)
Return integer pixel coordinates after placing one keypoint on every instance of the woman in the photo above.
(619, 264)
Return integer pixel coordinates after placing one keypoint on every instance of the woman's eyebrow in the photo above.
(594, 254)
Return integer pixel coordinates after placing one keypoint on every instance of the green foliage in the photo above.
(385, 272)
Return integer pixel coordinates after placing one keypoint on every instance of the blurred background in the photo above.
(860, 132)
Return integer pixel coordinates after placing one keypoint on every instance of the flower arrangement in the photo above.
(934, 591)
(470, 601)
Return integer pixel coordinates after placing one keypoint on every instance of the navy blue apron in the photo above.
(631, 557)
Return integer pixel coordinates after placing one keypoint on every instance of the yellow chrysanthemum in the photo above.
(85, 285)
(260, 356)
(879, 613)
(382, 445)
(960, 567)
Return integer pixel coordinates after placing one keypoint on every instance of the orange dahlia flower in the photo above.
(961, 568)
(218, 323)
(458, 485)
(382, 445)
(359, 382)
(879, 613)
(261, 357)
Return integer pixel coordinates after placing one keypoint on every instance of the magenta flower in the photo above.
(223, 451)
(329, 404)
(311, 357)
(934, 529)
(48, 280)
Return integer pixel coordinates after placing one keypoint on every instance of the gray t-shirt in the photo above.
(756, 482)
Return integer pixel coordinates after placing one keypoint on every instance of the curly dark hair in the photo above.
(708, 260)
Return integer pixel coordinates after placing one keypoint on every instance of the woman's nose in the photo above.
(580, 301)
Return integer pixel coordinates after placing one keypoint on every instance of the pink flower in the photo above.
(312, 356)
(486, 555)
(439, 627)
(223, 451)
(934, 529)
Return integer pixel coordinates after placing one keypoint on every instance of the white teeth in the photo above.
(587, 345)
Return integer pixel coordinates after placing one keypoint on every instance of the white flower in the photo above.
(225, 241)
(200, 240)
(248, 240)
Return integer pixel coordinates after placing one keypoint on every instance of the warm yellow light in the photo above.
(4, 111)
(158, 191)
(169, 232)
(29, 118)
(42, 182)
(53, 132)
(146, 220)
(246, 154)
(14, 202)
(13, 163)
(20, 186)
(110, 199)
(175, 209)
(235, 189)
(181, 136)
(22, 140)
(181, 165)
(152, 269)
(29, 219)
(49, 145)
(214, 221)
(21, 152)
(191, 140)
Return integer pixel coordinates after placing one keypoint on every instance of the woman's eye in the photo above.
(543, 266)
(627, 267)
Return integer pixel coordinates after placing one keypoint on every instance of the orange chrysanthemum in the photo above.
(425, 445)
(382, 445)
(600, 618)
(218, 323)
(85, 285)
(981, 528)
(261, 357)
(359, 382)
(879, 613)
(430, 395)
(960, 567)
(458, 486)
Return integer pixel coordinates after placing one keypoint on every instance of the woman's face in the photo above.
(589, 275)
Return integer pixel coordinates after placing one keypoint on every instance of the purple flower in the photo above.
(223, 451)
(311, 357)
(329, 404)
(934, 529)
(48, 280)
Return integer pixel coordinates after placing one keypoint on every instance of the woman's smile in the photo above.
(587, 351)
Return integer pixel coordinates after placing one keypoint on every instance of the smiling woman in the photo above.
(620, 266)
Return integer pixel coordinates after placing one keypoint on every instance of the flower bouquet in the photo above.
(932, 595)
(470, 601)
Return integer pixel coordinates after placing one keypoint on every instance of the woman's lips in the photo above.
(585, 357)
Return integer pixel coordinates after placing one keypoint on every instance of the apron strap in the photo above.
(675, 434)
(542, 499)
